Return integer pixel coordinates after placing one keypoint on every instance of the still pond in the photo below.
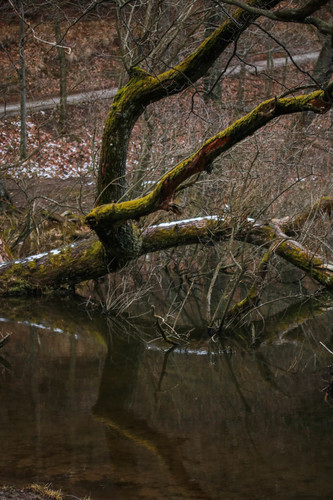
(103, 408)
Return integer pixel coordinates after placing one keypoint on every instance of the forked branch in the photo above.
(161, 198)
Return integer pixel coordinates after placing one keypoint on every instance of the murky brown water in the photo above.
(92, 408)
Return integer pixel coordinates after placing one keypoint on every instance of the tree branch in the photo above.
(161, 198)
(269, 236)
(292, 225)
(88, 260)
(64, 266)
(144, 88)
(301, 15)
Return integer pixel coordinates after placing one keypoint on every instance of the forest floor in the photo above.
(52, 154)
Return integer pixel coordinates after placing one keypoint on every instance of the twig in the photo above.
(327, 349)
(158, 318)
(4, 340)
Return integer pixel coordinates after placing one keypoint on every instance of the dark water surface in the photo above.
(91, 407)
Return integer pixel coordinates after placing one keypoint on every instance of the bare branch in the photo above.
(301, 15)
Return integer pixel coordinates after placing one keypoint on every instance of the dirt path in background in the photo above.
(94, 95)
(61, 194)
(256, 67)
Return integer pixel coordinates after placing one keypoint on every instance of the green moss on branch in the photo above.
(68, 266)
(162, 196)
(89, 260)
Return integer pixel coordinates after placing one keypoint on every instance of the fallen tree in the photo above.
(116, 240)
(89, 259)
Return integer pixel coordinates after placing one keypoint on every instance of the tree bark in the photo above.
(5, 199)
(117, 240)
(161, 198)
(5, 253)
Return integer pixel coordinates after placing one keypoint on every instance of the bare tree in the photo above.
(62, 75)
(23, 94)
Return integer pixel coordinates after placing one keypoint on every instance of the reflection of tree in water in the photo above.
(113, 407)
(278, 325)
(3, 362)
(137, 403)
(117, 402)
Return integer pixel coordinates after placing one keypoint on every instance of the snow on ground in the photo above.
(48, 157)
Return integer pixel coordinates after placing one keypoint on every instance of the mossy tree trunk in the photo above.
(88, 259)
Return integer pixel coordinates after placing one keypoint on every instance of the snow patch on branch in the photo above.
(185, 221)
(38, 256)
(219, 218)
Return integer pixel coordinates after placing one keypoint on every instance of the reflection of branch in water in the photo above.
(4, 340)
(327, 349)
(163, 448)
(159, 322)
(329, 388)
(247, 407)
(163, 371)
(133, 435)
(297, 314)
(5, 364)
(286, 320)
(57, 315)
(266, 373)
(248, 410)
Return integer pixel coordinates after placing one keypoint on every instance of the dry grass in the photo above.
(46, 492)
